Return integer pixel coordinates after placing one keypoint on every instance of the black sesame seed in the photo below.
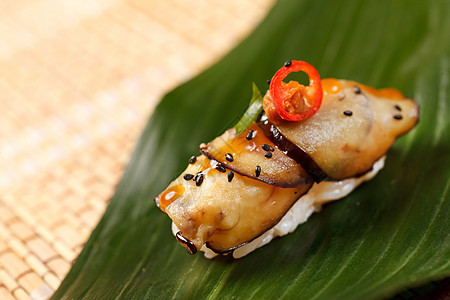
(357, 90)
(348, 113)
(229, 157)
(398, 117)
(397, 107)
(267, 147)
(199, 179)
(288, 63)
(221, 168)
(230, 176)
(250, 135)
(192, 160)
(257, 171)
(268, 81)
(268, 154)
(188, 176)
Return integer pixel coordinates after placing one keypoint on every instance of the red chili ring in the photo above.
(313, 96)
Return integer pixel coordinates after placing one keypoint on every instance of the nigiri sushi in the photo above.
(308, 146)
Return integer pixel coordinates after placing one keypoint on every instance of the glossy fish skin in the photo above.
(347, 146)
(278, 169)
(226, 214)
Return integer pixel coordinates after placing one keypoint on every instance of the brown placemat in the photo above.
(78, 81)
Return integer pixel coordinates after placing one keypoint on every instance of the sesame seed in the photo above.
(398, 117)
(250, 135)
(188, 176)
(268, 154)
(267, 147)
(356, 89)
(192, 160)
(230, 176)
(229, 157)
(288, 63)
(221, 168)
(348, 113)
(341, 96)
(257, 171)
(397, 107)
(199, 179)
(268, 81)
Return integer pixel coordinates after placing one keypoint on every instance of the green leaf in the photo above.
(254, 109)
(390, 234)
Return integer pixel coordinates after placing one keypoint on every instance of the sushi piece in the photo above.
(311, 145)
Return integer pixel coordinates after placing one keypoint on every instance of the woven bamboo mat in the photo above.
(78, 81)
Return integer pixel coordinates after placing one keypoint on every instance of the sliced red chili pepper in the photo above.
(294, 101)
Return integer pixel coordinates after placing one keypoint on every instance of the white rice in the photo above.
(312, 201)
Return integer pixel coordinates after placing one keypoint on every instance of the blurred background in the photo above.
(78, 82)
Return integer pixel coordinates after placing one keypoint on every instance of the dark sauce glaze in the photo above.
(290, 149)
(190, 247)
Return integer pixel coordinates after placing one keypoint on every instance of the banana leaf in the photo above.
(392, 233)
